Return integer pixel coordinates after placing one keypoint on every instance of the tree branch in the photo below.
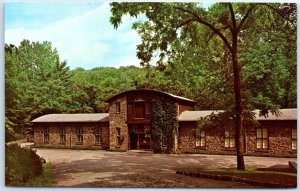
(245, 17)
(211, 36)
(232, 17)
(203, 22)
(184, 23)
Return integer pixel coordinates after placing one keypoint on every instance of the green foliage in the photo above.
(21, 165)
(46, 179)
(36, 83)
(191, 54)
(192, 62)
(10, 134)
(164, 123)
(170, 23)
(157, 123)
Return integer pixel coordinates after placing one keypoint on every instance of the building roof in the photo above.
(285, 114)
(78, 117)
(153, 91)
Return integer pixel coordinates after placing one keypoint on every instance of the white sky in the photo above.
(80, 31)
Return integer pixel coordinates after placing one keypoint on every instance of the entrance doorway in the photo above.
(140, 137)
(133, 141)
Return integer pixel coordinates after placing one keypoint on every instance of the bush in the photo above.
(45, 180)
(21, 165)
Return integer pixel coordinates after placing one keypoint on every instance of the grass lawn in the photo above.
(44, 180)
(281, 178)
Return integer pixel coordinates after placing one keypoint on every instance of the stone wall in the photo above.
(214, 140)
(71, 137)
(118, 120)
(280, 138)
(280, 142)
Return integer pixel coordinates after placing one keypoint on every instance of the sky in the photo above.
(80, 31)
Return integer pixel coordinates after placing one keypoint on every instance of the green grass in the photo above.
(46, 179)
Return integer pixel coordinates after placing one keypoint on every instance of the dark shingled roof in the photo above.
(153, 91)
(77, 117)
(285, 114)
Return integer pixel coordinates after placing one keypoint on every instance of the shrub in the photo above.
(45, 180)
(21, 165)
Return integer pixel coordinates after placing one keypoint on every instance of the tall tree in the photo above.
(166, 23)
(36, 83)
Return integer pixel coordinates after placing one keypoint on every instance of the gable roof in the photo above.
(285, 114)
(77, 117)
(178, 98)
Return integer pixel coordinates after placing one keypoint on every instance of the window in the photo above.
(294, 139)
(130, 110)
(229, 138)
(97, 135)
(147, 131)
(262, 139)
(200, 138)
(133, 129)
(118, 107)
(62, 134)
(118, 136)
(46, 134)
(79, 132)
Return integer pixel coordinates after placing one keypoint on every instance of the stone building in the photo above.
(162, 122)
(81, 131)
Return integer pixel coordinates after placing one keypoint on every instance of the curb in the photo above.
(237, 179)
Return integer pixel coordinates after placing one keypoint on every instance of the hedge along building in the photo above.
(162, 122)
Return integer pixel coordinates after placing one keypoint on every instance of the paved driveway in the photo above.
(89, 168)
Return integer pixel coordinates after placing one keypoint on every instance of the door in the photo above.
(139, 109)
(144, 141)
(133, 141)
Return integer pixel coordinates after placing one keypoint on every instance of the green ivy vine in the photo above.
(164, 120)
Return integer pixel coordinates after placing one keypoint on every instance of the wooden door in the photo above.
(139, 109)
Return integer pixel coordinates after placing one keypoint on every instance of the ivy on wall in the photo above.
(164, 120)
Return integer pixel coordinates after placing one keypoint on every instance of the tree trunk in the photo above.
(238, 105)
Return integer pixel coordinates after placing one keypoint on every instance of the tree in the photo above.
(36, 83)
(168, 23)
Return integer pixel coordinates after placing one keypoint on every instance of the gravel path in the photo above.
(89, 168)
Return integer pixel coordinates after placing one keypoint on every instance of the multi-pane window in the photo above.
(118, 107)
(97, 135)
(118, 136)
(200, 137)
(294, 138)
(229, 138)
(46, 134)
(62, 134)
(79, 133)
(262, 138)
